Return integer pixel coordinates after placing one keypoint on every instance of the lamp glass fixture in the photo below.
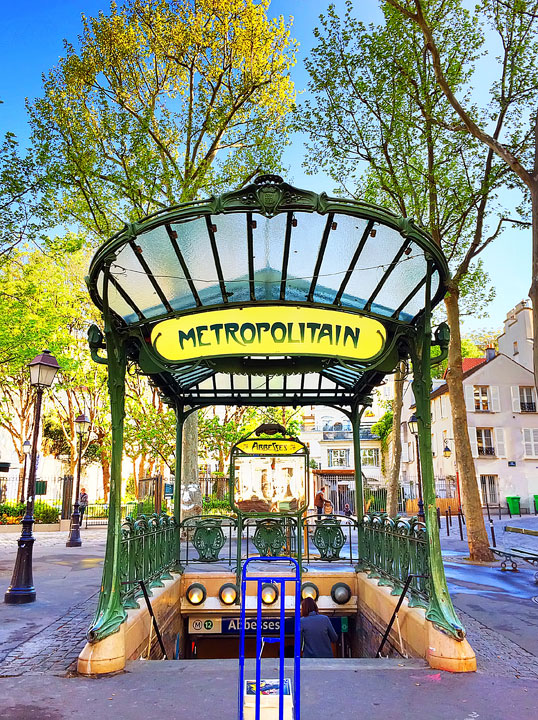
(341, 593)
(269, 594)
(412, 423)
(27, 447)
(82, 424)
(196, 594)
(43, 369)
(446, 452)
(228, 594)
(309, 590)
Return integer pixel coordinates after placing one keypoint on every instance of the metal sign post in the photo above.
(283, 683)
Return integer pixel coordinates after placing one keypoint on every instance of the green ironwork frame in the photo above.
(123, 342)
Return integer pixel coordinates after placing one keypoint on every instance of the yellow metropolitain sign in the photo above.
(269, 447)
(269, 330)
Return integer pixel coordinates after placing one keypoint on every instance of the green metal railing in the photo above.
(393, 549)
(149, 549)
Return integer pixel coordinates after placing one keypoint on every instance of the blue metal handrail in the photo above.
(281, 580)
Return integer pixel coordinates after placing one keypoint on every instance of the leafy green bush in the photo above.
(11, 509)
(46, 514)
(213, 503)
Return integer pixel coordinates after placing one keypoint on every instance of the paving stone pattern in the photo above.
(54, 649)
(496, 654)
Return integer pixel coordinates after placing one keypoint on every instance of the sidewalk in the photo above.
(39, 641)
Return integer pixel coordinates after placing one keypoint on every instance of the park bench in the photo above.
(515, 555)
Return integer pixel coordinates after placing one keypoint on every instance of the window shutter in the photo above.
(527, 442)
(516, 405)
(405, 453)
(469, 397)
(494, 396)
(472, 440)
(500, 449)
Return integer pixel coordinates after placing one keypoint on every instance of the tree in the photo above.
(20, 198)
(165, 101)
(378, 112)
(512, 104)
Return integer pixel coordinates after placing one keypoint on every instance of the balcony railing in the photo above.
(338, 435)
(486, 451)
(528, 407)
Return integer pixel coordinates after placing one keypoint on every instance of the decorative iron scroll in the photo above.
(148, 551)
(269, 538)
(208, 539)
(392, 549)
(328, 538)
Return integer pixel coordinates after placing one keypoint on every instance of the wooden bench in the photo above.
(513, 555)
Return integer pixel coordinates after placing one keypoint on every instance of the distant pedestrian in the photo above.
(82, 504)
(317, 632)
(319, 501)
(347, 510)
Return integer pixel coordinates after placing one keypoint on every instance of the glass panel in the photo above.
(193, 241)
(163, 263)
(379, 249)
(304, 248)
(223, 381)
(276, 382)
(293, 382)
(240, 382)
(116, 302)
(404, 277)
(132, 277)
(268, 242)
(338, 254)
(231, 239)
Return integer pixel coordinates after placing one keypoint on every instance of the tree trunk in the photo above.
(394, 474)
(22, 473)
(476, 530)
(191, 501)
(105, 464)
(533, 292)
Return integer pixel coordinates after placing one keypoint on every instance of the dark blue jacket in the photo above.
(317, 633)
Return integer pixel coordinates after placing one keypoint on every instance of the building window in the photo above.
(481, 399)
(526, 399)
(484, 441)
(338, 457)
(488, 485)
(530, 441)
(516, 351)
(370, 456)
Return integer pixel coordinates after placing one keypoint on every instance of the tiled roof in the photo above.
(470, 364)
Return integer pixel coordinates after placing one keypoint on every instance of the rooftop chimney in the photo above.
(490, 353)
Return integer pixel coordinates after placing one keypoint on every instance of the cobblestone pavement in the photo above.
(496, 654)
(56, 647)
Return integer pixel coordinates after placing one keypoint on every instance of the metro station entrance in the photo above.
(269, 296)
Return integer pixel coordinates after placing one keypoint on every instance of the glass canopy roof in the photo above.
(268, 243)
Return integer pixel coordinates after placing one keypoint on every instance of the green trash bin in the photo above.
(536, 504)
(513, 504)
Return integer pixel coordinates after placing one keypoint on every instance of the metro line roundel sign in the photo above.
(269, 330)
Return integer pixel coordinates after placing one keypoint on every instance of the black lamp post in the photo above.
(82, 424)
(26, 448)
(412, 423)
(43, 369)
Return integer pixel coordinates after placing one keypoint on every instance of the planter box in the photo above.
(38, 527)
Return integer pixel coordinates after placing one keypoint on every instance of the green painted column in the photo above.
(180, 420)
(356, 416)
(440, 610)
(110, 612)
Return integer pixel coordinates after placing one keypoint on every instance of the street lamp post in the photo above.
(82, 423)
(447, 453)
(43, 369)
(413, 427)
(26, 448)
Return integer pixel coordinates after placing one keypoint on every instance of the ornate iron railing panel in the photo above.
(333, 537)
(211, 536)
(270, 536)
(393, 548)
(148, 551)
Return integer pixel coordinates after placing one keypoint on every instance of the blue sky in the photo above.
(32, 42)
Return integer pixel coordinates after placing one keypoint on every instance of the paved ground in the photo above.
(497, 609)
